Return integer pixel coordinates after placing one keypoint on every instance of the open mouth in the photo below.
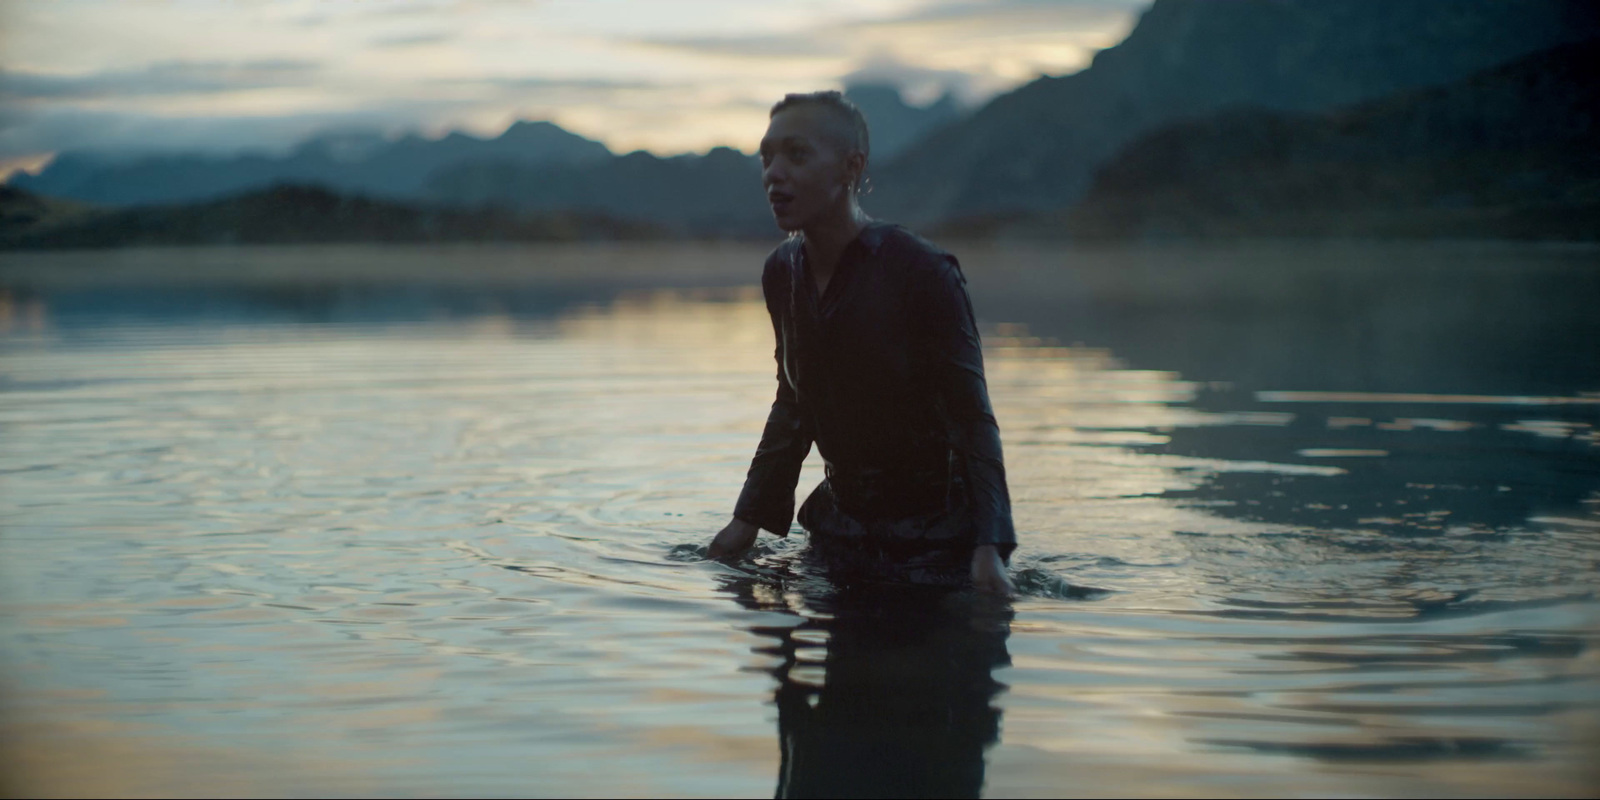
(780, 201)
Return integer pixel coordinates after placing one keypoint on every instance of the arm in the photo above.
(954, 360)
(767, 500)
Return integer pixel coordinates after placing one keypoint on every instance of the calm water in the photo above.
(1314, 520)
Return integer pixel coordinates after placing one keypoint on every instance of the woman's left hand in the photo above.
(989, 573)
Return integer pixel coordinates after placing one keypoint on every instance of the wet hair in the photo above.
(850, 135)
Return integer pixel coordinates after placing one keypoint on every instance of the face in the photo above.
(805, 175)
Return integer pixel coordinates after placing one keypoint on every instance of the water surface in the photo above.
(429, 521)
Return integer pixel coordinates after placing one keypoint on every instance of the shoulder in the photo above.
(775, 273)
(919, 259)
(780, 260)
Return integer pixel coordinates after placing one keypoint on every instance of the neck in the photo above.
(826, 238)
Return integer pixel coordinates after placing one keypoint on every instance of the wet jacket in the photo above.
(884, 373)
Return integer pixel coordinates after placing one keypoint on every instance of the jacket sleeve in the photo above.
(953, 357)
(767, 500)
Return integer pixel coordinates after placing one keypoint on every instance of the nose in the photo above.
(773, 174)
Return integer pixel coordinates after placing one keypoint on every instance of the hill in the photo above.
(1509, 152)
(717, 194)
(293, 215)
(23, 213)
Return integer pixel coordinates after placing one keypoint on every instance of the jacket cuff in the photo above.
(1000, 534)
(768, 522)
(1002, 549)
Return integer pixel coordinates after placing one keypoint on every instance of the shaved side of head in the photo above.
(846, 127)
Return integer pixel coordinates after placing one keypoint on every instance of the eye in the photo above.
(796, 153)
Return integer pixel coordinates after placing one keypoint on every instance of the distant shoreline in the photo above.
(309, 216)
(487, 264)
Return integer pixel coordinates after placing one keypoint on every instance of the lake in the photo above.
(1295, 519)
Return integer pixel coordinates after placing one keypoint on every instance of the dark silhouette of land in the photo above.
(1508, 153)
(290, 215)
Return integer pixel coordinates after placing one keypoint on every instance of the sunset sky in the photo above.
(664, 75)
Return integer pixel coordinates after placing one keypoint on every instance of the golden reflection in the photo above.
(99, 758)
(22, 314)
(685, 317)
(701, 745)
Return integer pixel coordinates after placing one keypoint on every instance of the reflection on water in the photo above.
(882, 690)
(331, 530)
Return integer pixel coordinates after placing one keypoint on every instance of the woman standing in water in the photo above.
(879, 364)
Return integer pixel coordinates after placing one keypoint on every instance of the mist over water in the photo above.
(1309, 519)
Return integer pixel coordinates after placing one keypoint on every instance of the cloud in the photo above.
(586, 107)
(1007, 13)
(544, 82)
(919, 84)
(329, 13)
(410, 40)
(970, 18)
(262, 74)
(804, 45)
(974, 48)
(431, 8)
(606, 108)
(164, 78)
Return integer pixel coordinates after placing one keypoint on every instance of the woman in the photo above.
(879, 364)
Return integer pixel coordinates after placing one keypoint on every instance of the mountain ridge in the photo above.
(1507, 152)
(361, 164)
(1035, 148)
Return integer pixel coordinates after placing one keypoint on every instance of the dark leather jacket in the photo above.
(884, 373)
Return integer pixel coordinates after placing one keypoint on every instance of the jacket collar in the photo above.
(871, 238)
(873, 235)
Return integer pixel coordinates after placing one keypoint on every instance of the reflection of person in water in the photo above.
(878, 364)
(898, 704)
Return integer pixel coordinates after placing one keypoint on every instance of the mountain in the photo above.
(1509, 152)
(1036, 148)
(288, 214)
(24, 213)
(356, 163)
(892, 122)
(716, 194)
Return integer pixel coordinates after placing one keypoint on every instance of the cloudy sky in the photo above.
(665, 75)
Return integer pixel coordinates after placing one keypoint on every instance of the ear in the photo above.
(854, 167)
